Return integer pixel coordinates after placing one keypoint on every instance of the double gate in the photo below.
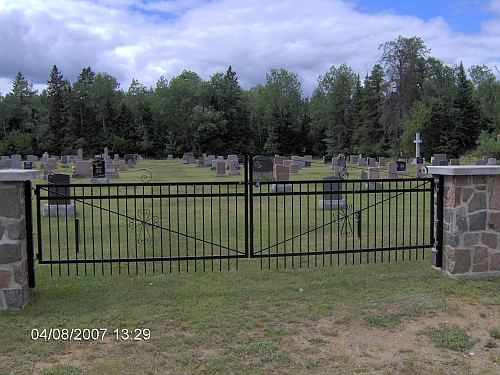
(170, 227)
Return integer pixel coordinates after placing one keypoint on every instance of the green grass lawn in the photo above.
(252, 320)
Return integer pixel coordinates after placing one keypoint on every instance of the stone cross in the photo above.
(417, 142)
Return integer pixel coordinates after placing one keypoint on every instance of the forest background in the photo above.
(408, 90)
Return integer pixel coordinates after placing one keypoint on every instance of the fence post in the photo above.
(16, 267)
(468, 219)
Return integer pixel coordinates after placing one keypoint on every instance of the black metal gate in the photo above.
(170, 227)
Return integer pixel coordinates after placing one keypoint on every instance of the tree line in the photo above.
(407, 91)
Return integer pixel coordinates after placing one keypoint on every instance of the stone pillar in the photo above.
(14, 283)
(471, 219)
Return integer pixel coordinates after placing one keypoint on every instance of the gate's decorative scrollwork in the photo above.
(346, 218)
(146, 178)
(145, 222)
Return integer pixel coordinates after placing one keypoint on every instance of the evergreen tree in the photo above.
(56, 105)
(369, 137)
(469, 122)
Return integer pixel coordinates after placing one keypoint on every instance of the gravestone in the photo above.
(233, 165)
(363, 175)
(83, 169)
(262, 168)
(28, 164)
(208, 160)
(420, 172)
(361, 161)
(2, 161)
(417, 142)
(400, 166)
(492, 161)
(48, 169)
(98, 172)
(279, 160)
(112, 170)
(392, 168)
(373, 174)
(480, 162)
(454, 161)
(308, 159)
(297, 160)
(287, 163)
(353, 159)
(79, 154)
(64, 161)
(327, 159)
(15, 161)
(332, 194)
(121, 165)
(45, 158)
(334, 162)
(128, 157)
(438, 158)
(52, 161)
(381, 163)
(372, 163)
(130, 163)
(282, 174)
(201, 161)
(294, 169)
(31, 159)
(170, 157)
(61, 206)
(220, 168)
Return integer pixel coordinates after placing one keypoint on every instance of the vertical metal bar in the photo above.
(30, 250)
(77, 234)
(247, 204)
(439, 222)
(118, 231)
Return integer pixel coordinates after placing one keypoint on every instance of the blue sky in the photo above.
(145, 40)
(462, 16)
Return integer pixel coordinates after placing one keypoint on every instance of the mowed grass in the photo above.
(244, 321)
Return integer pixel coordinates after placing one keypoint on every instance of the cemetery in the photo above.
(321, 215)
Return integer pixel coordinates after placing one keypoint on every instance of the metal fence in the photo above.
(173, 227)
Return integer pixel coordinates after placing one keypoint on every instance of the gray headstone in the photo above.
(332, 193)
(438, 158)
(15, 161)
(392, 169)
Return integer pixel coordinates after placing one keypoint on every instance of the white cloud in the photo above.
(131, 39)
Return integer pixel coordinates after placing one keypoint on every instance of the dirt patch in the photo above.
(403, 349)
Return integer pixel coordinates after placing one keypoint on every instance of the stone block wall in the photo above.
(14, 283)
(14, 291)
(471, 223)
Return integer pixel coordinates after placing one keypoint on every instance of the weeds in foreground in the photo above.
(449, 336)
